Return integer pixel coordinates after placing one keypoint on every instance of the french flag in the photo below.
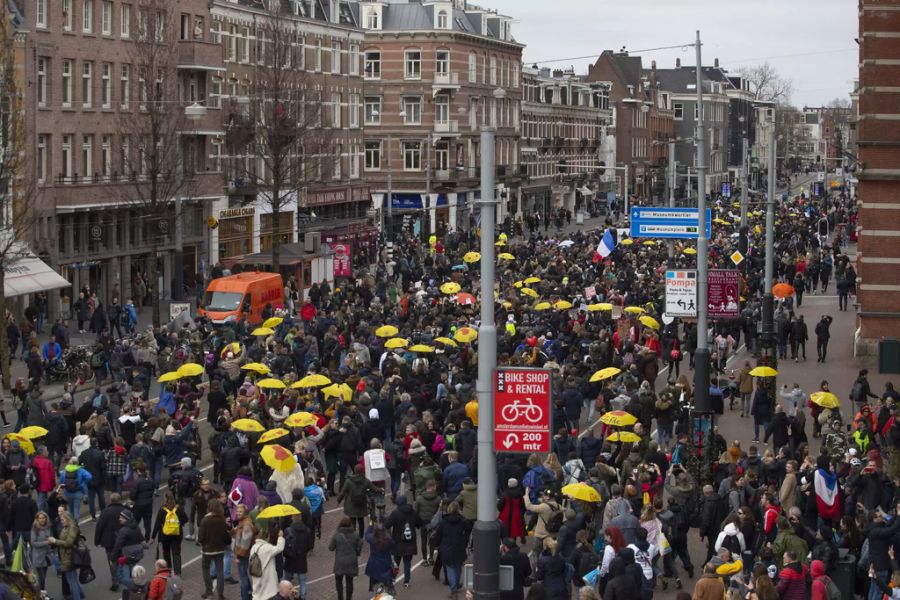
(827, 497)
(606, 246)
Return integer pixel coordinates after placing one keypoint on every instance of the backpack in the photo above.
(255, 568)
(290, 544)
(173, 587)
(358, 495)
(31, 477)
(733, 544)
(548, 482)
(97, 360)
(831, 589)
(407, 535)
(856, 393)
(171, 524)
(554, 522)
(71, 481)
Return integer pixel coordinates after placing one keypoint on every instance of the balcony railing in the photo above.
(445, 175)
(199, 55)
(450, 79)
(446, 126)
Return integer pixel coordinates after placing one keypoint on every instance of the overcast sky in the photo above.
(737, 32)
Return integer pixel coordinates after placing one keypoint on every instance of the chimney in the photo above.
(557, 73)
(652, 65)
(716, 63)
(677, 63)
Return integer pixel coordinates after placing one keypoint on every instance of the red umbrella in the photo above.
(465, 298)
(782, 290)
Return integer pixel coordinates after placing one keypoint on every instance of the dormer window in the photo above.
(443, 20)
(372, 21)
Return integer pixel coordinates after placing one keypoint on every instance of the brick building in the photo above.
(878, 131)
(435, 73)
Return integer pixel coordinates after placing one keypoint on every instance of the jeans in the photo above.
(74, 499)
(875, 592)
(113, 567)
(228, 560)
(301, 582)
(745, 403)
(822, 348)
(842, 301)
(208, 563)
(342, 582)
(663, 434)
(74, 586)
(453, 574)
(115, 483)
(42, 501)
(95, 493)
(125, 576)
(244, 576)
(757, 423)
(407, 566)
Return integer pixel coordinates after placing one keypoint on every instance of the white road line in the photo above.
(411, 569)
(323, 578)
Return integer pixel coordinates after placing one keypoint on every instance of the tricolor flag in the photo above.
(827, 498)
(606, 246)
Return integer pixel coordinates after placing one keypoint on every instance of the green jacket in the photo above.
(66, 542)
(789, 540)
(468, 501)
(422, 475)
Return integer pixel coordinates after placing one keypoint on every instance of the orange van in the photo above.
(232, 298)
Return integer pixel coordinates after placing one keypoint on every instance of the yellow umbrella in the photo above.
(26, 444)
(763, 372)
(234, 347)
(627, 242)
(500, 243)
(605, 374)
(450, 288)
(301, 419)
(256, 367)
(466, 335)
(422, 348)
(690, 251)
(278, 510)
(33, 432)
(271, 384)
(618, 418)
(506, 305)
(272, 434)
(278, 458)
(823, 399)
(395, 343)
(170, 376)
(338, 389)
(263, 331)
(581, 491)
(634, 310)
(533, 279)
(542, 306)
(506, 256)
(386, 331)
(600, 306)
(446, 341)
(314, 380)
(190, 370)
(273, 322)
(649, 321)
(562, 305)
(247, 425)
(649, 243)
(471, 257)
(529, 292)
(502, 237)
(719, 221)
(624, 436)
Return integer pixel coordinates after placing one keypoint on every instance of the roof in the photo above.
(349, 13)
(414, 16)
(684, 79)
(627, 68)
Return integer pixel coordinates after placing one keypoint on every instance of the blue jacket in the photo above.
(173, 445)
(132, 313)
(535, 482)
(454, 474)
(167, 403)
(57, 351)
(83, 478)
(379, 565)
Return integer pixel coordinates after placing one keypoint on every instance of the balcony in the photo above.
(446, 128)
(444, 81)
(501, 171)
(445, 175)
(200, 56)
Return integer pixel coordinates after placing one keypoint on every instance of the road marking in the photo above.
(324, 577)
(411, 569)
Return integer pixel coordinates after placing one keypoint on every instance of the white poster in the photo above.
(681, 293)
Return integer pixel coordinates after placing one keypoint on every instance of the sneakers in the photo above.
(207, 595)
(678, 583)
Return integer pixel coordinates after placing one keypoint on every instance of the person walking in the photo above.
(761, 409)
(65, 543)
(402, 525)
(105, 532)
(379, 565)
(451, 538)
(244, 534)
(214, 536)
(823, 334)
(128, 549)
(168, 531)
(74, 479)
(298, 543)
(347, 546)
(142, 496)
(41, 551)
(264, 550)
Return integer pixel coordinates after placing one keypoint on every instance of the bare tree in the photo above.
(276, 138)
(766, 84)
(152, 149)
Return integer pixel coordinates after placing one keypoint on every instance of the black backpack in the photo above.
(554, 522)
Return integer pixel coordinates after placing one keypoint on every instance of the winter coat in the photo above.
(379, 565)
(94, 461)
(40, 547)
(36, 411)
(299, 539)
(243, 491)
(778, 430)
(213, 534)
(108, 526)
(266, 586)
(22, 511)
(451, 538)
(66, 542)
(789, 540)
(761, 407)
(544, 510)
(521, 571)
(511, 509)
(128, 535)
(468, 501)
(83, 478)
(46, 473)
(346, 546)
(353, 495)
(453, 477)
(709, 587)
(551, 570)
(427, 505)
(395, 524)
(792, 582)
(731, 538)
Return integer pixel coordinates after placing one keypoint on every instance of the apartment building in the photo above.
(567, 139)
(89, 81)
(435, 73)
(319, 44)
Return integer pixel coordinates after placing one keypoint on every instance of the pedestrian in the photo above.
(264, 575)
(510, 556)
(74, 480)
(761, 409)
(298, 543)
(161, 577)
(379, 567)
(402, 525)
(451, 538)
(142, 493)
(168, 531)
(128, 548)
(65, 543)
(353, 495)
(22, 513)
(140, 586)
(42, 554)
(347, 546)
(552, 571)
(245, 534)
(214, 536)
(105, 533)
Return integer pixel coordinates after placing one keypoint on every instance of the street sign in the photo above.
(726, 189)
(817, 188)
(737, 258)
(522, 405)
(681, 293)
(723, 293)
(667, 223)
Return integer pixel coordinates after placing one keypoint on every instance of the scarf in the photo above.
(827, 498)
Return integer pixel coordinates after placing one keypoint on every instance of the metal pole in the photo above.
(671, 243)
(486, 533)
(389, 225)
(428, 186)
(627, 206)
(701, 357)
(178, 257)
(769, 356)
(744, 230)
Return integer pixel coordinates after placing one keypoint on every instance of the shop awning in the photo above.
(586, 191)
(25, 273)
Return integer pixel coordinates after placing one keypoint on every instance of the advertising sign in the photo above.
(726, 189)
(681, 293)
(342, 255)
(522, 406)
(723, 293)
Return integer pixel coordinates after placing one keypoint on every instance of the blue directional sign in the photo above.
(667, 223)
(726, 189)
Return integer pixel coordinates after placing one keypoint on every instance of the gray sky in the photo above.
(730, 30)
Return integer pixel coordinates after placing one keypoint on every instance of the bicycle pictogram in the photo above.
(515, 409)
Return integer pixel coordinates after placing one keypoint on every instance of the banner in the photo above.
(342, 262)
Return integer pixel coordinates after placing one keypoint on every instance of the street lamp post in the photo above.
(744, 229)
(701, 356)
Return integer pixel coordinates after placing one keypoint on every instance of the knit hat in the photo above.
(185, 462)
(373, 413)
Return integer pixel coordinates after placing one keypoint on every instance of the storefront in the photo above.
(362, 239)
(236, 231)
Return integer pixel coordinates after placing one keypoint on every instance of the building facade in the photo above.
(878, 171)
(567, 139)
(435, 73)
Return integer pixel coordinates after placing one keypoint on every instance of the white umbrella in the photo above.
(566, 243)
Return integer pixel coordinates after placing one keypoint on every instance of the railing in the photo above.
(445, 175)
(446, 126)
(446, 79)
(199, 54)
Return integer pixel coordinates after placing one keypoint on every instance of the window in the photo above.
(216, 36)
(125, 156)
(336, 110)
(372, 20)
(160, 30)
(493, 70)
(232, 43)
(106, 17)
(354, 161)
(88, 14)
(678, 107)
(442, 157)
(442, 63)
(125, 31)
(301, 51)
(67, 15)
(106, 86)
(412, 64)
(335, 57)
(473, 68)
(87, 156)
(354, 59)
(215, 95)
(412, 107)
(336, 169)
(67, 84)
(373, 65)
(442, 109)
(66, 162)
(373, 156)
(106, 157)
(318, 55)
(42, 158)
(40, 13)
(142, 88)
(125, 87)
(353, 111)
(87, 83)
(442, 21)
(42, 68)
(373, 110)
(412, 156)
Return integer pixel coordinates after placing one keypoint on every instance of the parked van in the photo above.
(232, 298)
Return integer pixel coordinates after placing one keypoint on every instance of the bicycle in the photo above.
(375, 504)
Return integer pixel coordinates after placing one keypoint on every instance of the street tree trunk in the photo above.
(5, 369)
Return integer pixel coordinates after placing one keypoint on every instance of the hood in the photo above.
(817, 568)
(469, 487)
(406, 509)
(72, 468)
(731, 529)
(627, 556)
(616, 567)
(429, 494)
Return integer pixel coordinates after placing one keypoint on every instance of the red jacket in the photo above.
(792, 583)
(158, 585)
(46, 473)
(308, 311)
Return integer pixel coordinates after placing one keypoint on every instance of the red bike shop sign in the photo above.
(522, 406)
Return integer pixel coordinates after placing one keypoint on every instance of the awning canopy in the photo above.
(25, 273)
(586, 191)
